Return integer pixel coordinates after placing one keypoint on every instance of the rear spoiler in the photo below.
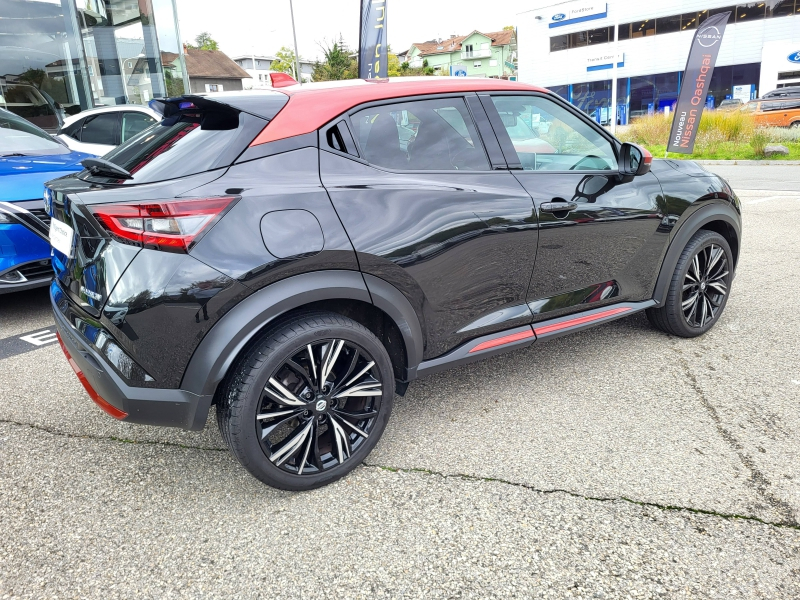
(264, 104)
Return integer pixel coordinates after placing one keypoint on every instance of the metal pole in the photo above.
(613, 110)
(297, 73)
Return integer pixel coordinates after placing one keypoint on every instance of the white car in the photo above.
(100, 130)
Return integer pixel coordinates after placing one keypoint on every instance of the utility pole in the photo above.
(298, 74)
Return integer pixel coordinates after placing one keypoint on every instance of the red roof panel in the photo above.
(312, 105)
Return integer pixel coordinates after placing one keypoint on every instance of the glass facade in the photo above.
(58, 57)
(740, 13)
(651, 93)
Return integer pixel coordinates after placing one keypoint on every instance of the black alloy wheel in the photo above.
(705, 286)
(699, 288)
(309, 401)
(319, 406)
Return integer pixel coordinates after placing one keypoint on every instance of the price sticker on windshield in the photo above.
(61, 237)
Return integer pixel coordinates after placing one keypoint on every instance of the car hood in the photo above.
(23, 177)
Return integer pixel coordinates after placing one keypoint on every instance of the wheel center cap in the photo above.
(703, 286)
(322, 405)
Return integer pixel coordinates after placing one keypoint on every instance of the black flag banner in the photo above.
(372, 54)
(696, 79)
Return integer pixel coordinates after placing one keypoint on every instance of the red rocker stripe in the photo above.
(501, 341)
(580, 320)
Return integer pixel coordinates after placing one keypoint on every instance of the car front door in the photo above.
(430, 210)
(600, 239)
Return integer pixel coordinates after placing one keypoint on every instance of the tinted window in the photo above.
(428, 135)
(689, 21)
(74, 130)
(749, 12)
(100, 129)
(643, 28)
(625, 31)
(559, 42)
(668, 24)
(781, 8)
(134, 123)
(771, 106)
(182, 144)
(18, 136)
(601, 36)
(547, 136)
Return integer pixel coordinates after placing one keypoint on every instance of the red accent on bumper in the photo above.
(502, 341)
(579, 321)
(109, 408)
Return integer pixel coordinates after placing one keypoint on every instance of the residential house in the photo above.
(211, 71)
(258, 67)
(492, 54)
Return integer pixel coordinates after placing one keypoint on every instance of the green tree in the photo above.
(204, 41)
(508, 28)
(338, 63)
(392, 65)
(284, 62)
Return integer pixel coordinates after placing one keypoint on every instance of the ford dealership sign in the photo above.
(794, 57)
(577, 11)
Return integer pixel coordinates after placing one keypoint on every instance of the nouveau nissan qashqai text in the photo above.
(296, 257)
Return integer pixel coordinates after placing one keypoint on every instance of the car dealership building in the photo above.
(58, 57)
(569, 47)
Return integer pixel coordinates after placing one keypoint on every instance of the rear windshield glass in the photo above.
(18, 137)
(182, 144)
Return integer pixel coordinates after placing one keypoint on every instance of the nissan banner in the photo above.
(372, 53)
(696, 79)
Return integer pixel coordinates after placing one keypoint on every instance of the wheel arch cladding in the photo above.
(718, 217)
(325, 290)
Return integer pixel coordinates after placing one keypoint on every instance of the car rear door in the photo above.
(430, 208)
(605, 244)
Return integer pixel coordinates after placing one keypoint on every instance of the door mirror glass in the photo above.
(634, 160)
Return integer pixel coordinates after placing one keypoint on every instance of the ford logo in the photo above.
(559, 17)
(794, 57)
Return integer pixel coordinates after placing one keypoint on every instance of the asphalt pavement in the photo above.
(614, 463)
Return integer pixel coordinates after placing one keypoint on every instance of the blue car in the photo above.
(28, 158)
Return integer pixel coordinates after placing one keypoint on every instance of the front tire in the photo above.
(308, 402)
(699, 288)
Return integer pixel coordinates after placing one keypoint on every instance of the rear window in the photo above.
(19, 137)
(185, 143)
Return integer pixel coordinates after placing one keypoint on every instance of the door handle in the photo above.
(554, 207)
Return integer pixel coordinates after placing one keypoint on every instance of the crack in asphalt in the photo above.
(665, 507)
(757, 480)
(112, 438)
(789, 524)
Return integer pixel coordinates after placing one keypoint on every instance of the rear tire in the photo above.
(297, 410)
(699, 289)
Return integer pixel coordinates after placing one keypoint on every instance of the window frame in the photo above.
(462, 96)
(512, 158)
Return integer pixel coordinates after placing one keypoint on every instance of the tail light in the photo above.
(171, 225)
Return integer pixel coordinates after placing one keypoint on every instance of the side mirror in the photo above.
(634, 160)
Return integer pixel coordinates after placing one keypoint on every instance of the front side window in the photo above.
(101, 129)
(547, 136)
(427, 135)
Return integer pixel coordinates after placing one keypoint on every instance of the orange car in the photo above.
(777, 112)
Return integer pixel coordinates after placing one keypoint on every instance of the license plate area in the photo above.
(62, 237)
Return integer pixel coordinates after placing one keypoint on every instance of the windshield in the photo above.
(18, 137)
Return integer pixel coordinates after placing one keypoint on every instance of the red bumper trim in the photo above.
(103, 404)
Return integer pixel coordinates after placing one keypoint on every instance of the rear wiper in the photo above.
(98, 166)
(13, 154)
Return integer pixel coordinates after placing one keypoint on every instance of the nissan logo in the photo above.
(794, 57)
(708, 37)
(559, 17)
(321, 405)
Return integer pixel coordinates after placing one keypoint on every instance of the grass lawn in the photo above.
(725, 151)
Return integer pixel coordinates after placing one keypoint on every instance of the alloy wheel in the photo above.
(705, 286)
(319, 406)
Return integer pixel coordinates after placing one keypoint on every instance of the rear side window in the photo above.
(426, 135)
(185, 143)
(134, 123)
(101, 129)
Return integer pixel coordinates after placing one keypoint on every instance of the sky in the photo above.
(263, 26)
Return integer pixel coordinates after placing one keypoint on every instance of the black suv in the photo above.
(296, 257)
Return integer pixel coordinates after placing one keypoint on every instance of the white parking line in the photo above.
(40, 338)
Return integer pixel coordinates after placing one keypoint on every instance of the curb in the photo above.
(790, 163)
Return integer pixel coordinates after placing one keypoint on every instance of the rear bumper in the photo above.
(147, 406)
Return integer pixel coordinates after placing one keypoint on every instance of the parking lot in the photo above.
(614, 463)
